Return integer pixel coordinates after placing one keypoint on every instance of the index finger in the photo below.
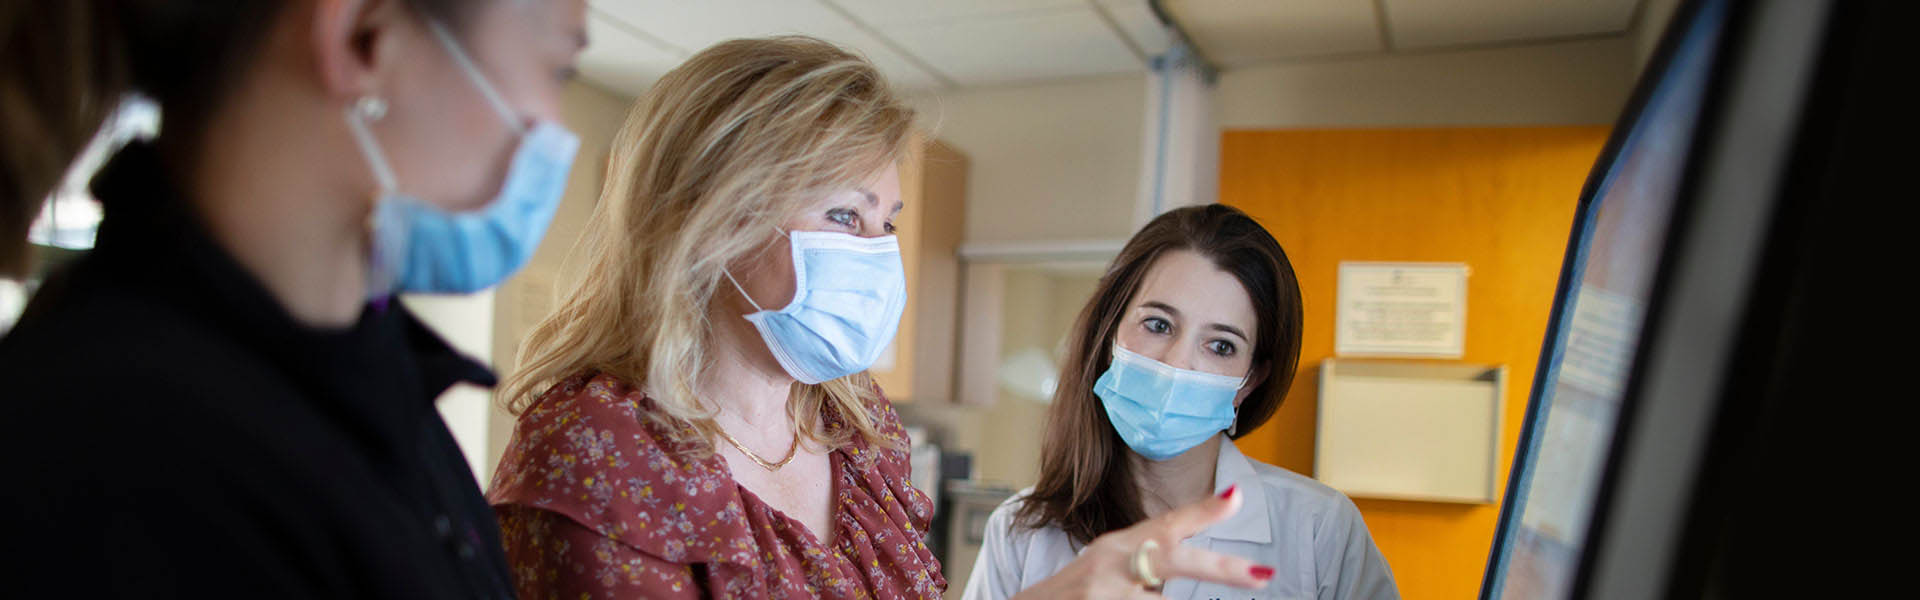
(1181, 523)
(1187, 562)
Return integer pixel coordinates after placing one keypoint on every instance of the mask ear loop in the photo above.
(474, 75)
(366, 109)
(385, 244)
(743, 291)
(736, 283)
(1234, 429)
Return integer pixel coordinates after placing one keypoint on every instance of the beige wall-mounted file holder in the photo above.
(1409, 430)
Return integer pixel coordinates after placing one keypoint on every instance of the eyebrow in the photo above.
(874, 200)
(1162, 306)
(580, 38)
(1169, 309)
(1229, 329)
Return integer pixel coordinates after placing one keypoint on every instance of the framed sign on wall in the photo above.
(1391, 309)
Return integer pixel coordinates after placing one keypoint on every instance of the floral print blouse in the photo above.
(594, 503)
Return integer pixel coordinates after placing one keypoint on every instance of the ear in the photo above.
(352, 40)
(1254, 380)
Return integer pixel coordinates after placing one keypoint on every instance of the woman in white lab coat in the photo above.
(1190, 340)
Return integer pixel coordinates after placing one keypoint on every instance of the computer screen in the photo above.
(1619, 232)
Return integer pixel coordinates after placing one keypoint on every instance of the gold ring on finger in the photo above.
(1143, 565)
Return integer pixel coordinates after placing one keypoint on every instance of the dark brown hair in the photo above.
(70, 61)
(1087, 485)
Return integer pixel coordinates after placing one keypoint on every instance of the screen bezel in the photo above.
(1598, 182)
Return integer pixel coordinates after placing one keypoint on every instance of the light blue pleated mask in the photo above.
(848, 294)
(419, 247)
(1161, 410)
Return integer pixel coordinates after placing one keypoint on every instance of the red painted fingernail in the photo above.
(1261, 573)
(1230, 490)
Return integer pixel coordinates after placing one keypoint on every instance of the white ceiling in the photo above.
(948, 44)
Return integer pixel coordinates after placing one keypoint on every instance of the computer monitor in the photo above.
(1655, 281)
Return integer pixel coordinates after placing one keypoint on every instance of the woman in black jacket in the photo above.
(220, 399)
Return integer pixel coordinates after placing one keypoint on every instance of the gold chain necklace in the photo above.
(792, 451)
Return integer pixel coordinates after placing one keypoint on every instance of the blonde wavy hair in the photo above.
(709, 162)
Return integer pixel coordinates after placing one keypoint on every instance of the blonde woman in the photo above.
(695, 419)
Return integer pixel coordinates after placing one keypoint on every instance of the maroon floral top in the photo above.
(593, 503)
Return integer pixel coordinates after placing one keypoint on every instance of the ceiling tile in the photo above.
(1070, 42)
(1240, 32)
(620, 61)
(692, 25)
(1426, 23)
(689, 27)
(903, 12)
(900, 71)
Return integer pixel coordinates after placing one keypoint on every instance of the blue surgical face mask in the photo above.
(419, 247)
(1161, 410)
(848, 294)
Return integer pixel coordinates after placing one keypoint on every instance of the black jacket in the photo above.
(168, 430)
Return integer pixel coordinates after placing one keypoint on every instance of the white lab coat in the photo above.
(1310, 534)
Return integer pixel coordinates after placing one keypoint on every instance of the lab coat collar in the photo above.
(1252, 523)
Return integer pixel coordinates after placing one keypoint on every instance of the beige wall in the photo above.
(1037, 308)
(1047, 162)
(1647, 29)
(1582, 82)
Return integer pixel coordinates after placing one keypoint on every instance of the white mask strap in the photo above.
(358, 114)
(474, 75)
(743, 291)
(736, 283)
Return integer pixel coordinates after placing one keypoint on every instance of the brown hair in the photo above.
(69, 63)
(710, 160)
(1087, 486)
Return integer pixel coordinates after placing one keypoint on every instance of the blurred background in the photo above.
(1455, 132)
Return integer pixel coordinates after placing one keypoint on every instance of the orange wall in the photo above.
(1500, 200)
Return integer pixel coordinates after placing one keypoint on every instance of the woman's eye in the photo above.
(569, 73)
(1220, 347)
(1157, 325)
(889, 229)
(844, 217)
